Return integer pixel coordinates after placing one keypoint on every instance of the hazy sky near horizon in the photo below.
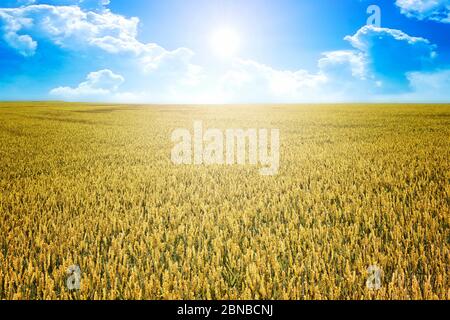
(224, 51)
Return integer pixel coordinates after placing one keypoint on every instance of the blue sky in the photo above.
(175, 51)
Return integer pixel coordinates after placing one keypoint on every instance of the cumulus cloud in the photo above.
(348, 76)
(436, 10)
(22, 43)
(99, 84)
(176, 66)
(430, 86)
(72, 27)
(87, 4)
(390, 54)
(249, 79)
(344, 64)
(75, 28)
(68, 27)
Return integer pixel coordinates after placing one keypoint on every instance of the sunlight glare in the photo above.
(225, 42)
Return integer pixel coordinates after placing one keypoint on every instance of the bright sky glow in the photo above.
(225, 42)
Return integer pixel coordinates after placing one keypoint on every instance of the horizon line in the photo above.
(228, 104)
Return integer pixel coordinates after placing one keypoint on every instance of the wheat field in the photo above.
(93, 186)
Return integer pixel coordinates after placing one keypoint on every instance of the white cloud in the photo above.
(76, 29)
(365, 38)
(249, 80)
(22, 43)
(344, 64)
(390, 54)
(176, 65)
(436, 10)
(69, 27)
(88, 4)
(98, 85)
(430, 86)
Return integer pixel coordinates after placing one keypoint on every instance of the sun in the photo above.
(225, 42)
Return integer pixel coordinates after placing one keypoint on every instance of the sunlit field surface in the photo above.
(94, 186)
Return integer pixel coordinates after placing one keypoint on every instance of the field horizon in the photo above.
(236, 104)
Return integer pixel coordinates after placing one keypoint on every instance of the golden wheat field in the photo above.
(93, 186)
